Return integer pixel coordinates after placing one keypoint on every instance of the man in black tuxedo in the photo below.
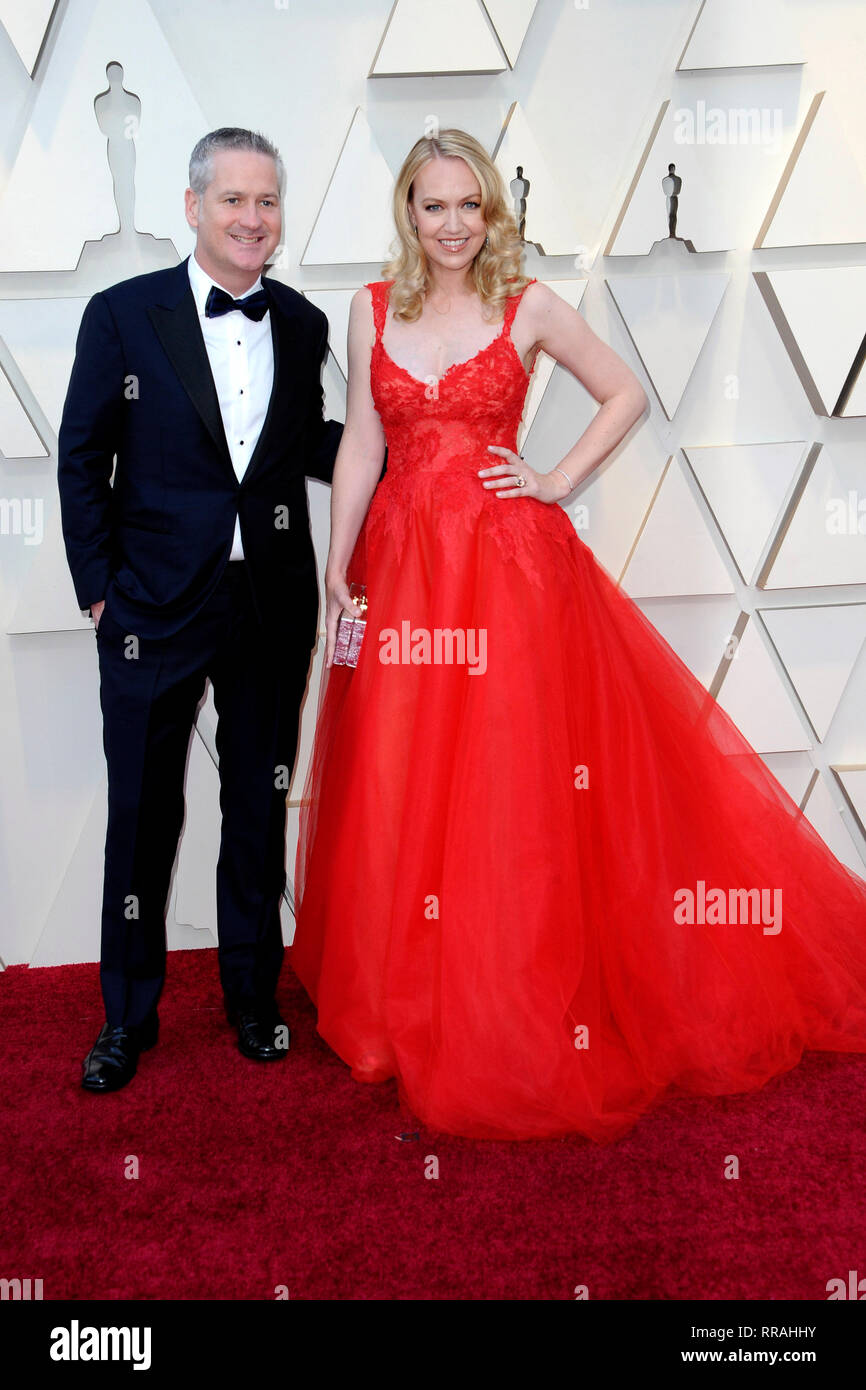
(204, 381)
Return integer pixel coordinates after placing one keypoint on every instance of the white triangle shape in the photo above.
(551, 218)
(745, 486)
(354, 222)
(668, 318)
(823, 198)
(753, 695)
(335, 305)
(609, 507)
(572, 291)
(71, 930)
(18, 437)
(41, 335)
(426, 37)
(822, 812)
(542, 370)
(675, 553)
(826, 312)
(334, 408)
(824, 543)
(44, 219)
(853, 782)
(699, 629)
(759, 395)
(726, 155)
(793, 770)
(46, 599)
(739, 34)
(819, 648)
(26, 22)
(510, 19)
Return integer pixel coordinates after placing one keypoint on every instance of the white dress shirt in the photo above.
(241, 356)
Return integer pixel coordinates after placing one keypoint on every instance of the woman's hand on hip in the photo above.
(505, 478)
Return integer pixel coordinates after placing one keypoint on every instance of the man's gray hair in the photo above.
(228, 138)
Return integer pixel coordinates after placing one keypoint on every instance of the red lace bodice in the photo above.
(481, 396)
(437, 431)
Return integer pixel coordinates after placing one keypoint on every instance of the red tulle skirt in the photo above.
(542, 893)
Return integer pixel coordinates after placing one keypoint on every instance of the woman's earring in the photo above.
(487, 241)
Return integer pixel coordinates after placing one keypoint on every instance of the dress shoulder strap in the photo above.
(379, 289)
(512, 304)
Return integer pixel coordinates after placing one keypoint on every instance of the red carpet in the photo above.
(253, 1176)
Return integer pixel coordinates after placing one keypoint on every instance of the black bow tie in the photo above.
(219, 302)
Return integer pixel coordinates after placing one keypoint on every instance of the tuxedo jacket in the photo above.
(154, 542)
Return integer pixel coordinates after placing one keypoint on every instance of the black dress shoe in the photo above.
(113, 1059)
(262, 1034)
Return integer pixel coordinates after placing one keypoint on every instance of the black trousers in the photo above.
(149, 691)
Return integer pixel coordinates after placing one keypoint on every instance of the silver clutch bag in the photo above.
(350, 629)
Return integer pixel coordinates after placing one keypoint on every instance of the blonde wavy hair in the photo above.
(496, 271)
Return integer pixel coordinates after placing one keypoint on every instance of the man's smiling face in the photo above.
(238, 218)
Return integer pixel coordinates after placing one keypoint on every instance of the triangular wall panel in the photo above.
(41, 334)
(572, 291)
(821, 196)
(819, 647)
(755, 697)
(44, 220)
(510, 19)
(354, 223)
(668, 318)
(426, 37)
(26, 22)
(551, 219)
(335, 305)
(739, 33)
(18, 436)
(699, 628)
(823, 543)
(852, 782)
(822, 812)
(675, 553)
(745, 486)
(821, 315)
(729, 152)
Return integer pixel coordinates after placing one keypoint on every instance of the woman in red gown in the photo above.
(542, 878)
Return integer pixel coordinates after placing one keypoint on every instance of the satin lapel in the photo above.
(284, 351)
(275, 320)
(180, 334)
